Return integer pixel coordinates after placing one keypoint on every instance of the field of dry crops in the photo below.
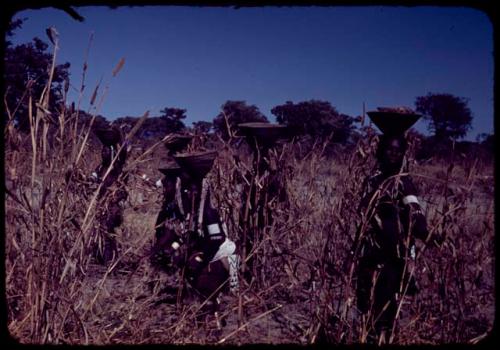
(303, 294)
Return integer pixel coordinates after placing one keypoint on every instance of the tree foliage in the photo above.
(236, 112)
(202, 126)
(173, 119)
(449, 115)
(318, 119)
(27, 68)
(153, 128)
(9, 32)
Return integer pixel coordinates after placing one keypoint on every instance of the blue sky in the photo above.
(197, 58)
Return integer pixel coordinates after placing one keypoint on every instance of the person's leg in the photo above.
(364, 285)
(385, 304)
(210, 282)
(113, 220)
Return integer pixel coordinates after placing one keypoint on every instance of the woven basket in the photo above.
(266, 134)
(393, 122)
(198, 164)
(170, 169)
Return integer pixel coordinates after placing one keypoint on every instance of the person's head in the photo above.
(390, 152)
(190, 188)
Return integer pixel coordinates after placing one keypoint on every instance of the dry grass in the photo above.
(302, 291)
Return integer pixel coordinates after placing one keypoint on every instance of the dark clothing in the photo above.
(111, 194)
(395, 219)
(183, 239)
(210, 278)
(395, 215)
(267, 190)
(107, 155)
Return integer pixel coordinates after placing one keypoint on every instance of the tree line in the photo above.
(26, 74)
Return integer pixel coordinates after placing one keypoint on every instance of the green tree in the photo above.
(9, 32)
(236, 112)
(173, 119)
(449, 115)
(26, 72)
(202, 126)
(318, 119)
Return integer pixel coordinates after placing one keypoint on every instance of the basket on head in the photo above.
(266, 134)
(170, 169)
(197, 164)
(108, 136)
(393, 121)
(178, 143)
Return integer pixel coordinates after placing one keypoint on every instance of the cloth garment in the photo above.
(384, 271)
(112, 196)
(190, 234)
